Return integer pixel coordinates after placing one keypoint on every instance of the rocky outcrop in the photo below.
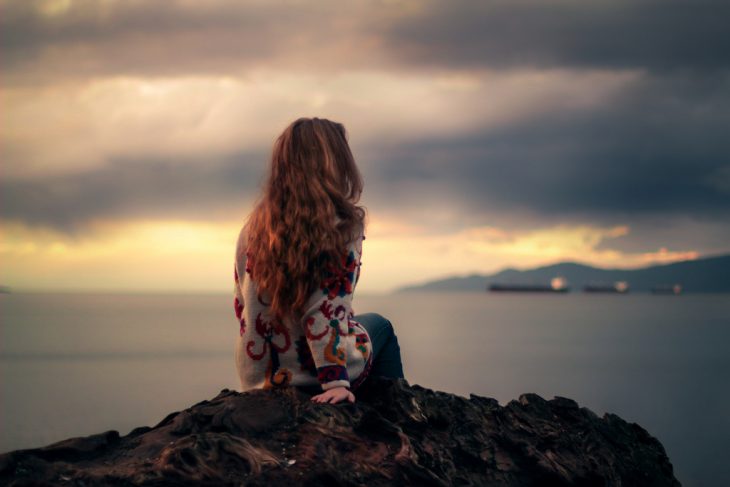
(395, 434)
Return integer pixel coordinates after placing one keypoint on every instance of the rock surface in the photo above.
(395, 434)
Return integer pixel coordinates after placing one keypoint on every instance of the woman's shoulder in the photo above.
(242, 238)
(359, 231)
(355, 242)
(241, 243)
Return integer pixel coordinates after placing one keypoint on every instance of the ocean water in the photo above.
(77, 364)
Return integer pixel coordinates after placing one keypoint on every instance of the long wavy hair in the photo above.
(306, 215)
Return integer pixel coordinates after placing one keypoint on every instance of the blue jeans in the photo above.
(386, 351)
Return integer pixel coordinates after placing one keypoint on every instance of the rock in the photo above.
(395, 434)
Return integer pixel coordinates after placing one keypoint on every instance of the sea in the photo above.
(78, 364)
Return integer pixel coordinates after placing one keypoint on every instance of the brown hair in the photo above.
(292, 234)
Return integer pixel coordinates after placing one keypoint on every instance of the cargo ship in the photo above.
(620, 287)
(557, 285)
(667, 289)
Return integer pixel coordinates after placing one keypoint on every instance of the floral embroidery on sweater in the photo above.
(330, 373)
(340, 276)
(332, 352)
(270, 331)
(238, 306)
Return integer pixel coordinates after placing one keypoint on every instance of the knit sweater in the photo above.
(326, 346)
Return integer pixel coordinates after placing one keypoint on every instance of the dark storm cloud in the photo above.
(653, 34)
(193, 189)
(660, 147)
(171, 38)
(649, 234)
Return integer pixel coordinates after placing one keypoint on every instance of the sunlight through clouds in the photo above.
(86, 125)
(193, 256)
(141, 256)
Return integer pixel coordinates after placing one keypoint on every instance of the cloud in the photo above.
(577, 146)
(656, 35)
(199, 189)
(85, 38)
(44, 40)
(654, 148)
(648, 234)
(67, 128)
(71, 127)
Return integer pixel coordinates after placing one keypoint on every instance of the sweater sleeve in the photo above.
(239, 267)
(325, 319)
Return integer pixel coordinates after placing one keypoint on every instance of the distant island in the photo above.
(705, 275)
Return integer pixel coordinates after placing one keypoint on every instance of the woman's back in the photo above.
(324, 346)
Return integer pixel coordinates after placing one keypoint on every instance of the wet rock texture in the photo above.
(395, 434)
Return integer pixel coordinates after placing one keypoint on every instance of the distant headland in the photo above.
(705, 275)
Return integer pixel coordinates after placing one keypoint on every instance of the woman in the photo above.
(297, 264)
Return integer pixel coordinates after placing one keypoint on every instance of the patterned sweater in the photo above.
(326, 346)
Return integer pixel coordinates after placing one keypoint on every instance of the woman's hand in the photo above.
(336, 394)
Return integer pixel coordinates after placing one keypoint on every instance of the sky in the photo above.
(490, 134)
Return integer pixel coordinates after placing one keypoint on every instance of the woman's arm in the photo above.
(325, 323)
(239, 268)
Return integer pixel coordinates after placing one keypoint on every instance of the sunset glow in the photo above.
(178, 255)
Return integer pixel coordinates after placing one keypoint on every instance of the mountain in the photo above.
(706, 275)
